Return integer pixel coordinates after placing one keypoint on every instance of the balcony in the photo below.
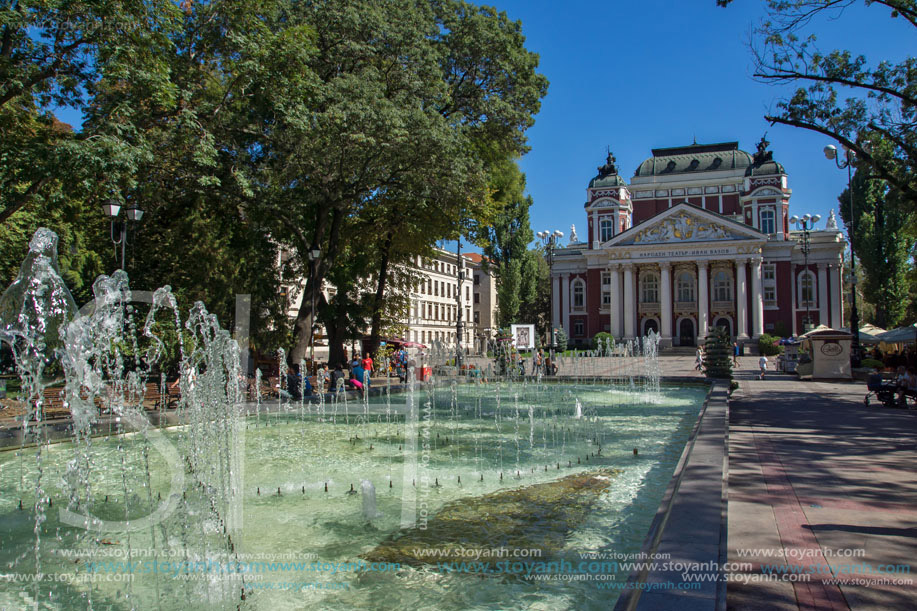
(685, 306)
(722, 306)
(648, 308)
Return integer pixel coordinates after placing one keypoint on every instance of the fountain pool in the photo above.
(426, 455)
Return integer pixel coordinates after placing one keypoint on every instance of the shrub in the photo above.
(767, 345)
(718, 354)
(561, 337)
(872, 364)
(600, 340)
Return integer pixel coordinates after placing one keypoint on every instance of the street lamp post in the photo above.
(460, 272)
(111, 208)
(849, 156)
(550, 241)
(314, 255)
(806, 224)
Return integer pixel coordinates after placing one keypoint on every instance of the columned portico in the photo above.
(702, 302)
(629, 298)
(741, 300)
(757, 303)
(666, 303)
(823, 294)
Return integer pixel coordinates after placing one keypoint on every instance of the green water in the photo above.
(472, 433)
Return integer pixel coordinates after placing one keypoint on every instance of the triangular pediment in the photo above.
(685, 223)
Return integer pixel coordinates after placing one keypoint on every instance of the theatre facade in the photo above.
(700, 238)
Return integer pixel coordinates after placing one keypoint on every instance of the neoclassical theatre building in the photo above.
(700, 237)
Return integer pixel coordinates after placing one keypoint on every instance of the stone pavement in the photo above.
(813, 470)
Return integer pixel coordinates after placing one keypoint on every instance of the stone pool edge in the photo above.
(691, 522)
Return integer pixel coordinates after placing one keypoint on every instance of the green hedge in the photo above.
(768, 346)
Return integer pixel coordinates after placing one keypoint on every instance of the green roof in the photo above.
(695, 158)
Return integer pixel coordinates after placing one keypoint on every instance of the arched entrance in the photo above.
(650, 324)
(686, 334)
(724, 323)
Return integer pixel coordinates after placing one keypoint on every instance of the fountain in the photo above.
(216, 482)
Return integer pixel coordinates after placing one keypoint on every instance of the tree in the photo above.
(405, 94)
(840, 95)
(717, 361)
(882, 242)
(55, 54)
(535, 305)
(508, 237)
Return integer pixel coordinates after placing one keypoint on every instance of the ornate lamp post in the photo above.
(314, 255)
(806, 224)
(111, 208)
(550, 241)
(849, 156)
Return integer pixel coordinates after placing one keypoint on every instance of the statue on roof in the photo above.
(573, 238)
(762, 154)
(609, 167)
(831, 224)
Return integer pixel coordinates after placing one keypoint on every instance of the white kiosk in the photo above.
(830, 352)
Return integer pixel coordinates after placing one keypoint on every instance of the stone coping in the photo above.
(691, 522)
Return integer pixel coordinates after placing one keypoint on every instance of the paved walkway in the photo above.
(812, 470)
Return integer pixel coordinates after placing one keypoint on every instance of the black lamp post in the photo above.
(550, 241)
(111, 208)
(460, 272)
(849, 156)
(806, 224)
(314, 255)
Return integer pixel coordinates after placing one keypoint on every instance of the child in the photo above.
(762, 365)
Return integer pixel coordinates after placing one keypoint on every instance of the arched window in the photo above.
(606, 229)
(807, 288)
(578, 296)
(685, 287)
(767, 221)
(722, 287)
(649, 292)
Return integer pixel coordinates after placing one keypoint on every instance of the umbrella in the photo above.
(899, 335)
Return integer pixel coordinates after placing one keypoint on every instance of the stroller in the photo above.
(884, 390)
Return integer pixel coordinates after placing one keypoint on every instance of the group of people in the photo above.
(515, 363)
(905, 383)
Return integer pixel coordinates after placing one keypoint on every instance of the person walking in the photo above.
(735, 354)
(698, 360)
(762, 365)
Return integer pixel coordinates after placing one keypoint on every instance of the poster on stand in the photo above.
(523, 336)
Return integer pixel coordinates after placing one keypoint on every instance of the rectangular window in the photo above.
(769, 283)
(767, 221)
(579, 329)
(606, 289)
(467, 292)
(606, 229)
(477, 317)
(477, 279)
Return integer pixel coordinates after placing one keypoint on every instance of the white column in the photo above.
(823, 295)
(837, 295)
(565, 302)
(757, 298)
(702, 303)
(741, 300)
(629, 301)
(618, 305)
(793, 294)
(665, 302)
(615, 305)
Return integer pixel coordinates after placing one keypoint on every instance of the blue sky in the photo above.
(652, 73)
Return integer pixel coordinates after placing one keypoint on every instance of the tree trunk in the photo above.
(372, 345)
(303, 328)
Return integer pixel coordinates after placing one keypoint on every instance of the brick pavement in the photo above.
(814, 470)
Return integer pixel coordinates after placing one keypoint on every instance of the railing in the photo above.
(686, 306)
(723, 306)
(649, 308)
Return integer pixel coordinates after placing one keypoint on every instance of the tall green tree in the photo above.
(508, 237)
(839, 94)
(882, 242)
